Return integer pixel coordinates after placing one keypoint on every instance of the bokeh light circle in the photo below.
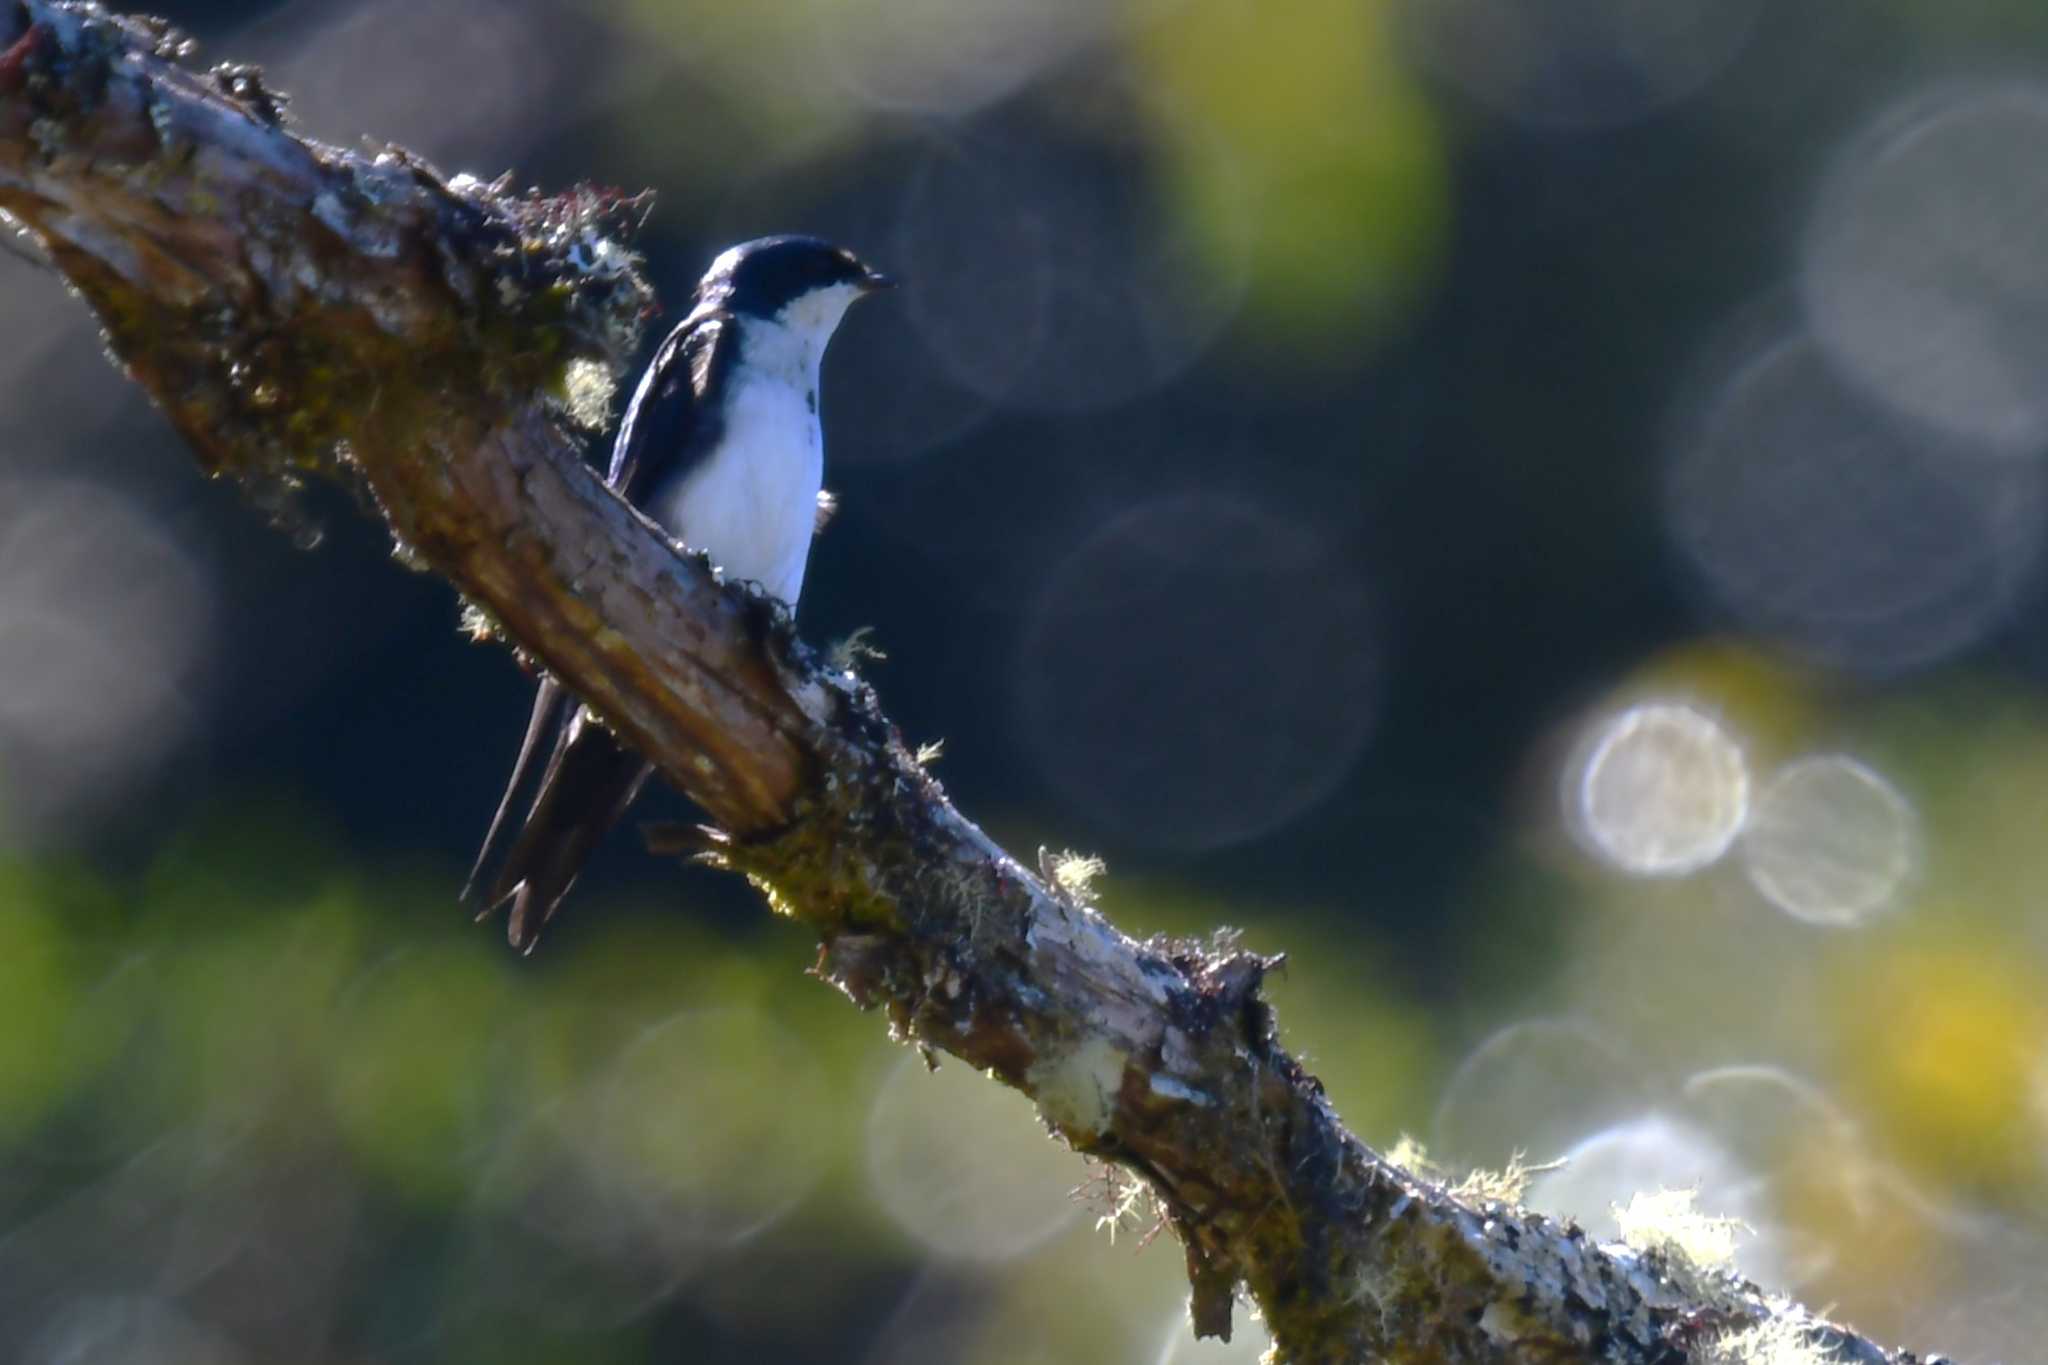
(962, 1165)
(1577, 63)
(1200, 671)
(1053, 287)
(1805, 1150)
(1923, 271)
(1817, 518)
(1764, 1113)
(1829, 842)
(410, 1095)
(950, 56)
(384, 65)
(1533, 1087)
(1663, 791)
(548, 1236)
(105, 623)
(684, 1130)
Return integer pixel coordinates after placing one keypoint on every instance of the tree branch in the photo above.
(301, 310)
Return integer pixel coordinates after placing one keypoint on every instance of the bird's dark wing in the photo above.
(590, 779)
(589, 783)
(550, 709)
(669, 425)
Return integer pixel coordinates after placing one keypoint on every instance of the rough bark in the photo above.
(302, 310)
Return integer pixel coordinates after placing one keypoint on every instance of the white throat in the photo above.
(753, 504)
(791, 345)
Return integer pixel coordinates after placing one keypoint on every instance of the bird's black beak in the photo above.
(874, 282)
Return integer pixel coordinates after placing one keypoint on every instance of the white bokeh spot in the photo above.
(1663, 792)
(1829, 842)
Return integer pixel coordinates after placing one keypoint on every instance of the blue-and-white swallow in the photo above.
(720, 445)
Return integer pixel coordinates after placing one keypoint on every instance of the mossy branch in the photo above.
(298, 310)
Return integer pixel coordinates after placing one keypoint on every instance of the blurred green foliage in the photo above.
(666, 1119)
(660, 1121)
(1318, 123)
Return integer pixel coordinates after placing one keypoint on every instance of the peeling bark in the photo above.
(302, 310)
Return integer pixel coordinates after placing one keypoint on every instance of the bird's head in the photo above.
(801, 284)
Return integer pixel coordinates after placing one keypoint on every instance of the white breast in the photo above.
(752, 505)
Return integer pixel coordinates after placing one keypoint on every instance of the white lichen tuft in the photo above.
(1077, 1089)
(1777, 1341)
(1670, 1221)
(1412, 1157)
(1073, 875)
(846, 655)
(1480, 1185)
(1506, 1186)
(478, 625)
(587, 389)
(1123, 1203)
